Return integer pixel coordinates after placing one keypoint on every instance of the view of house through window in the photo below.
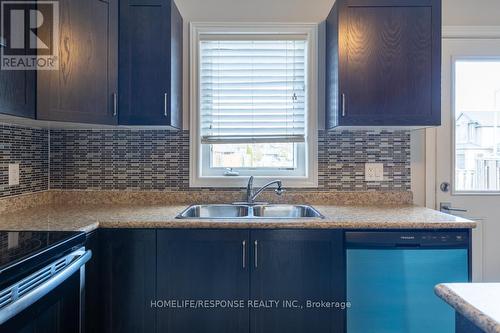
(477, 125)
(258, 155)
(252, 104)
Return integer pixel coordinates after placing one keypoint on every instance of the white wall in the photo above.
(471, 12)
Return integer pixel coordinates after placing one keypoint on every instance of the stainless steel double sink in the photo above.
(242, 211)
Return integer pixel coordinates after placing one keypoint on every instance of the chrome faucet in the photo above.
(253, 194)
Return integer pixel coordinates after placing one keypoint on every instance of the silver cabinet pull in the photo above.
(343, 105)
(115, 105)
(165, 105)
(256, 252)
(243, 246)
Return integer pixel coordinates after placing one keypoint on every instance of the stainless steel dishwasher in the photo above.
(391, 277)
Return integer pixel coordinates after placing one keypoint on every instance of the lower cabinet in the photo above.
(203, 265)
(303, 267)
(213, 280)
(128, 280)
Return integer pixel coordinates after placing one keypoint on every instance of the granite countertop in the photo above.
(89, 217)
(478, 302)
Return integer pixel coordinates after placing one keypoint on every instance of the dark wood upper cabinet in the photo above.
(17, 90)
(83, 89)
(384, 63)
(17, 93)
(139, 83)
(150, 71)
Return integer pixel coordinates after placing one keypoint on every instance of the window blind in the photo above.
(252, 90)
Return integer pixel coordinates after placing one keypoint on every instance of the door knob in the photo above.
(445, 187)
(445, 207)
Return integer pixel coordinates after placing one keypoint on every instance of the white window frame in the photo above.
(454, 191)
(310, 180)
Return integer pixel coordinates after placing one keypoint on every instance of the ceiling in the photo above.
(310, 11)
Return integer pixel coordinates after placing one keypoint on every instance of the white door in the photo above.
(467, 153)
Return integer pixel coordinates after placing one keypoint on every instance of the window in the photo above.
(477, 125)
(253, 104)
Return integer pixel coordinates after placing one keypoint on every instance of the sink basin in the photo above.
(214, 211)
(285, 211)
(249, 212)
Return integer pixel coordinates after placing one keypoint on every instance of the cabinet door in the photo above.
(147, 52)
(129, 280)
(390, 63)
(203, 265)
(296, 265)
(83, 88)
(17, 93)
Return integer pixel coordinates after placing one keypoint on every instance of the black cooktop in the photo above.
(21, 252)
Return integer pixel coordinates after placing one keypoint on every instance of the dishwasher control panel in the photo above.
(406, 238)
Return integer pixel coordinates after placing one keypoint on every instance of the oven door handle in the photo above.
(42, 290)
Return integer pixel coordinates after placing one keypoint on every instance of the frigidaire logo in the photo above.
(30, 35)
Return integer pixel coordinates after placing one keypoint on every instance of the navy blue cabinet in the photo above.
(17, 93)
(301, 267)
(84, 87)
(119, 63)
(384, 63)
(137, 269)
(17, 90)
(150, 62)
(128, 280)
(203, 265)
(290, 267)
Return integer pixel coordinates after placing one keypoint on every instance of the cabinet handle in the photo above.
(115, 105)
(256, 253)
(343, 105)
(165, 105)
(243, 246)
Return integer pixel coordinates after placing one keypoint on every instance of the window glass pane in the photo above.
(477, 125)
(269, 155)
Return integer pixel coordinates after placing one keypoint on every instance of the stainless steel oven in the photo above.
(49, 299)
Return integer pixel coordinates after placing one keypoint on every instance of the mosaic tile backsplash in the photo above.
(119, 159)
(28, 147)
(159, 160)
